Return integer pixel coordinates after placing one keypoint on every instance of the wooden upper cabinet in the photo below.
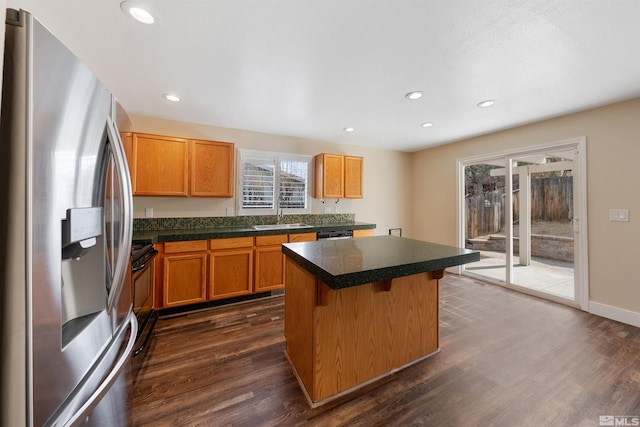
(353, 177)
(159, 166)
(211, 169)
(329, 176)
(170, 166)
(338, 176)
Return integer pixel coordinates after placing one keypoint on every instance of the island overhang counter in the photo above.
(357, 310)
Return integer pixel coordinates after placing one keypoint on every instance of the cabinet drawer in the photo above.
(231, 243)
(271, 240)
(302, 237)
(362, 233)
(188, 246)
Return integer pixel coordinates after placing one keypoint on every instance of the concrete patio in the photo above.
(543, 275)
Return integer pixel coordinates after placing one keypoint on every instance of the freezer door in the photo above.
(98, 400)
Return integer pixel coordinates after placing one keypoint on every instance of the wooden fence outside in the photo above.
(551, 200)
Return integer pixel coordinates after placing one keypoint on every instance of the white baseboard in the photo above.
(614, 313)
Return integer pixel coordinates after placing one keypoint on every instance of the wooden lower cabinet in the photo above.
(196, 271)
(362, 233)
(230, 273)
(303, 237)
(184, 272)
(185, 278)
(269, 263)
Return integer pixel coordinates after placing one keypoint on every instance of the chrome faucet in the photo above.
(279, 213)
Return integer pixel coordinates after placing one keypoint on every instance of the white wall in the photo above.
(386, 184)
(613, 155)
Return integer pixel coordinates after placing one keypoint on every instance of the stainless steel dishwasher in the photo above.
(335, 235)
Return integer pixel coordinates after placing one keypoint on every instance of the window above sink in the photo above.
(270, 181)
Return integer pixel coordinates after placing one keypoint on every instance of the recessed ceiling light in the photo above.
(416, 94)
(349, 129)
(487, 103)
(426, 124)
(171, 97)
(139, 12)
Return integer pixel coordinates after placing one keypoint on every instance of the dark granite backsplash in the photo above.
(149, 224)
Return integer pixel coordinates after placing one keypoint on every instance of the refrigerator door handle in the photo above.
(81, 414)
(120, 162)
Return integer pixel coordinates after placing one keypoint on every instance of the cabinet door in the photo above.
(329, 176)
(362, 233)
(211, 169)
(269, 262)
(353, 177)
(159, 165)
(185, 279)
(302, 237)
(230, 273)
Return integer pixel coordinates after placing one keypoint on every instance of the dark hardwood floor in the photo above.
(507, 359)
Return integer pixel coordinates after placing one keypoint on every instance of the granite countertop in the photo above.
(351, 262)
(155, 236)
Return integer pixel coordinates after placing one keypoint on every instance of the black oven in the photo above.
(142, 256)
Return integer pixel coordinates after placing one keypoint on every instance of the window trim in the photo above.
(244, 153)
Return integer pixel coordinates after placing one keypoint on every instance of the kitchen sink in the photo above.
(281, 226)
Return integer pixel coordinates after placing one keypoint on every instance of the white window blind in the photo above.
(258, 181)
(268, 181)
(293, 184)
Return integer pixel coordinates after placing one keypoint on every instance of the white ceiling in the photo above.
(309, 68)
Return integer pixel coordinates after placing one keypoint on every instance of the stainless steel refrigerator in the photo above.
(67, 329)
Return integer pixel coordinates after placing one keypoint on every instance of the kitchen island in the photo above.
(357, 310)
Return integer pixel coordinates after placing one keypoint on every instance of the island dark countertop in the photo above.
(351, 262)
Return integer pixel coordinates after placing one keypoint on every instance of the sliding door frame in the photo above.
(579, 173)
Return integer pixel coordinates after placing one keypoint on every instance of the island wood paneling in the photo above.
(300, 291)
(357, 333)
(365, 331)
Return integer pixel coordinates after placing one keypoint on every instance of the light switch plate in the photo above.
(229, 211)
(148, 212)
(619, 215)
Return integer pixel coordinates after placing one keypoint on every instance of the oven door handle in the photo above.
(135, 267)
(138, 268)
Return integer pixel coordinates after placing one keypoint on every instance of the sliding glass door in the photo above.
(522, 211)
